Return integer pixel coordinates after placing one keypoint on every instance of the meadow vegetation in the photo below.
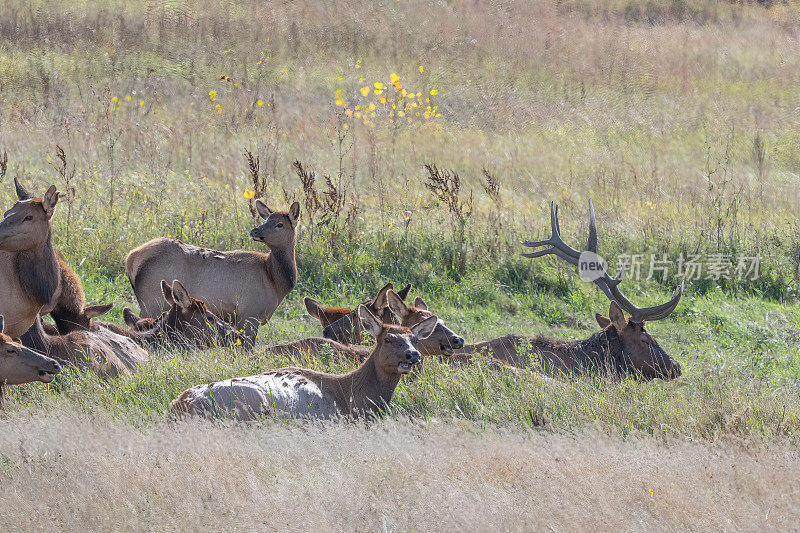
(424, 141)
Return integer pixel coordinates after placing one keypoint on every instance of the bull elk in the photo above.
(19, 364)
(621, 347)
(341, 324)
(242, 287)
(99, 349)
(365, 391)
(187, 322)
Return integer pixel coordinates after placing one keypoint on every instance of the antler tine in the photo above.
(609, 285)
(556, 243)
(591, 244)
(649, 314)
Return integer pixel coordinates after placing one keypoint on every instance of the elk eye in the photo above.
(387, 339)
(27, 218)
(12, 352)
(279, 225)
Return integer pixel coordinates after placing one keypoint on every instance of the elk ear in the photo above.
(262, 209)
(396, 305)
(403, 293)
(129, 317)
(602, 321)
(380, 299)
(424, 329)
(94, 311)
(166, 290)
(313, 307)
(617, 317)
(181, 295)
(294, 212)
(369, 321)
(50, 200)
(2, 324)
(22, 192)
(420, 303)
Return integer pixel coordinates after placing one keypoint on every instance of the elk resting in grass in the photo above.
(621, 347)
(341, 323)
(187, 322)
(297, 392)
(19, 364)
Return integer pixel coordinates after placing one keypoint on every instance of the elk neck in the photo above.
(39, 272)
(36, 338)
(601, 352)
(282, 269)
(365, 389)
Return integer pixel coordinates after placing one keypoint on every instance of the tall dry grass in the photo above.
(66, 471)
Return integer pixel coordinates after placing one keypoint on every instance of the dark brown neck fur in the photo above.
(282, 269)
(39, 273)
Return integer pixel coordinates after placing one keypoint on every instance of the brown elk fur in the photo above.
(29, 268)
(242, 287)
(621, 348)
(363, 392)
(100, 350)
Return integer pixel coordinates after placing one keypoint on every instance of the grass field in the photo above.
(678, 119)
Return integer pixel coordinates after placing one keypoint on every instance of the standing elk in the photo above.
(621, 347)
(298, 392)
(36, 275)
(30, 274)
(19, 364)
(341, 323)
(242, 287)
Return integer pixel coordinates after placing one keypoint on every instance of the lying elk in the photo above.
(242, 287)
(441, 342)
(187, 322)
(621, 347)
(32, 274)
(365, 391)
(99, 349)
(341, 323)
(19, 364)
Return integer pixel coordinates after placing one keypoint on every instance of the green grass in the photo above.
(652, 109)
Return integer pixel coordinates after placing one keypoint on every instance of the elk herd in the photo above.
(191, 296)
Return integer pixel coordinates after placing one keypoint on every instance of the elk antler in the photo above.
(610, 286)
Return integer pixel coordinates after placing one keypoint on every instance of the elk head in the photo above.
(191, 320)
(630, 349)
(343, 325)
(26, 226)
(442, 341)
(279, 229)
(396, 346)
(19, 364)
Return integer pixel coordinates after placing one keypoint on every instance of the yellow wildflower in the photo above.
(260, 102)
(364, 91)
(249, 194)
(434, 92)
(393, 77)
(378, 86)
(421, 70)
